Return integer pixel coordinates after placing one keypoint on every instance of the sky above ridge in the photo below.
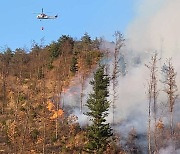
(100, 18)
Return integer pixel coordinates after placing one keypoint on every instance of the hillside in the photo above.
(49, 95)
(32, 119)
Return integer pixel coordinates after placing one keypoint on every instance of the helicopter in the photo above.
(44, 16)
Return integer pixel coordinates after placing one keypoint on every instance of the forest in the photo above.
(34, 118)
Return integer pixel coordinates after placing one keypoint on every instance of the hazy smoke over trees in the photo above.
(155, 28)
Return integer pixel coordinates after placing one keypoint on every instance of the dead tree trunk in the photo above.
(170, 90)
(152, 96)
(82, 81)
(118, 45)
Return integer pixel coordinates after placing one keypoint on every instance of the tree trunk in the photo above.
(149, 129)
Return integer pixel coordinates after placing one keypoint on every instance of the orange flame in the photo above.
(50, 106)
(56, 114)
(160, 124)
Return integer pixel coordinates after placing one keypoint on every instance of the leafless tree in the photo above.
(170, 89)
(82, 82)
(152, 96)
(119, 43)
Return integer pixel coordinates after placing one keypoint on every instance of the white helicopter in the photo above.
(44, 16)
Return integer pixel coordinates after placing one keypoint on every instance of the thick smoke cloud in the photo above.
(155, 27)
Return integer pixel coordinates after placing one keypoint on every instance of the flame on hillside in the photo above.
(160, 124)
(56, 113)
(50, 106)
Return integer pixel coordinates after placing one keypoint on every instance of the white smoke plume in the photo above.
(170, 149)
(155, 27)
(71, 98)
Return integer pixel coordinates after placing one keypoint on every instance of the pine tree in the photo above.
(99, 132)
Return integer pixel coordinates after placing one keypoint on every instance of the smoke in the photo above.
(83, 120)
(154, 28)
(130, 94)
(170, 149)
(131, 102)
(72, 96)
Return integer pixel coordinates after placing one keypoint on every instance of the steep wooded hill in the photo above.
(31, 118)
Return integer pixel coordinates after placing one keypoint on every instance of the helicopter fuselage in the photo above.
(44, 16)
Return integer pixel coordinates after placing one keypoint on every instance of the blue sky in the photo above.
(99, 18)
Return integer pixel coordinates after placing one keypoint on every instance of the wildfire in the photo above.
(50, 106)
(160, 124)
(56, 113)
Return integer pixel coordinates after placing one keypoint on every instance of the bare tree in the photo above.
(170, 90)
(82, 82)
(82, 73)
(152, 95)
(119, 43)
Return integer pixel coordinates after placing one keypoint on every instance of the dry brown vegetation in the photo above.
(32, 119)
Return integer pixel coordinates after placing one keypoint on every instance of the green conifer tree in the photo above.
(99, 132)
